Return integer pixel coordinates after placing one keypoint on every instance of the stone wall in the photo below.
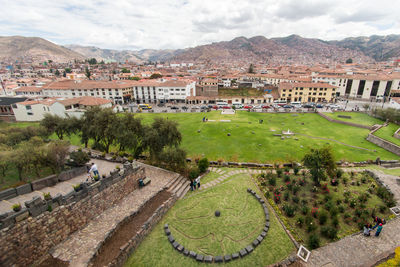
(29, 236)
(384, 143)
(344, 122)
(127, 249)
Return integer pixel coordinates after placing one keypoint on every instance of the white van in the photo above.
(296, 104)
(237, 105)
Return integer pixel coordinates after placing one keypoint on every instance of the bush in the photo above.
(272, 180)
(130, 159)
(47, 196)
(78, 158)
(286, 170)
(286, 196)
(322, 217)
(339, 173)
(194, 173)
(341, 208)
(16, 207)
(296, 170)
(203, 165)
(121, 153)
(311, 227)
(313, 241)
(305, 210)
(295, 189)
(329, 232)
(300, 221)
(335, 221)
(289, 210)
(296, 199)
(286, 178)
(279, 172)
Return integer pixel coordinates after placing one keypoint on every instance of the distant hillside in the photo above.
(35, 49)
(380, 48)
(141, 56)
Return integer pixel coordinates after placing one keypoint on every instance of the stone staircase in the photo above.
(179, 186)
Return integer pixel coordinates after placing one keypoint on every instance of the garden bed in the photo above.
(338, 207)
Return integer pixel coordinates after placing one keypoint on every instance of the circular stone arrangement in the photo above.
(226, 258)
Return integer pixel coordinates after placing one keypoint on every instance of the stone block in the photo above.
(235, 256)
(39, 184)
(227, 258)
(218, 259)
(208, 259)
(199, 258)
(243, 252)
(186, 252)
(192, 254)
(6, 222)
(257, 196)
(255, 243)
(249, 190)
(262, 201)
(22, 215)
(263, 234)
(36, 201)
(24, 189)
(171, 239)
(167, 231)
(260, 238)
(266, 229)
(58, 199)
(8, 193)
(267, 224)
(249, 249)
(166, 226)
(175, 244)
(180, 248)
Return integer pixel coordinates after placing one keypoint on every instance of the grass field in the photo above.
(356, 117)
(387, 133)
(254, 142)
(193, 224)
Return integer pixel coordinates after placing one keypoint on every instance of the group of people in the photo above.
(195, 183)
(378, 224)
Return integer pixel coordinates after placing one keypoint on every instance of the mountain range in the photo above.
(290, 49)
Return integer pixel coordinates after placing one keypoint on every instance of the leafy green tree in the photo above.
(155, 76)
(104, 128)
(203, 165)
(56, 124)
(251, 69)
(349, 61)
(134, 78)
(125, 70)
(5, 159)
(87, 73)
(68, 70)
(173, 158)
(78, 158)
(131, 134)
(92, 61)
(320, 162)
(57, 73)
(55, 155)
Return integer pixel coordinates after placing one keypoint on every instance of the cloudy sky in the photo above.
(133, 24)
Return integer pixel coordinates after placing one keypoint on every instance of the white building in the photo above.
(34, 110)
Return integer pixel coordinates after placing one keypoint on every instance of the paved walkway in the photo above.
(80, 247)
(63, 187)
(357, 250)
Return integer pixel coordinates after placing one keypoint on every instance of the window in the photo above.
(14, 106)
(30, 113)
(28, 107)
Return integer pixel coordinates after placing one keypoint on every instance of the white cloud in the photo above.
(133, 24)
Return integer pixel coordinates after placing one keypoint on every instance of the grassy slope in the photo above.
(243, 145)
(387, 133)
(356, 117)
(155, 250)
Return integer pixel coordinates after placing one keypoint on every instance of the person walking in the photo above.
(379, 229)
(377, 221)
(194, 184)
(198, 182)
(191, 185)
(94, 170)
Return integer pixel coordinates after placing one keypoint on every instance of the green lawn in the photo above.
(12, 180)
(387, 133)
(335, 203)
(193, 224)
(393, 171)
(254, 142)
(356, 117)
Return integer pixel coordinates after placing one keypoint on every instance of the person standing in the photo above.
(198, 182)
(377, 221)
(379, 229)
(191, 185)
(94, 169)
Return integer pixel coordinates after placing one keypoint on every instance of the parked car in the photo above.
(248, 107)
(210, 106)
(174, 107)
(319, 106)
(266, 107)
(334, 106)
(203, 107)
(184, 107)
(195, 107)
(257, 106)
(308, 106)
(288, 106)
(215, 107)
(226, 107)
(161, 105)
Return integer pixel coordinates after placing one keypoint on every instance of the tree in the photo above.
(57, 73)
(68, 70)
(78, 158)
(102, 62)
(131, 134)
(203, 165)
(173, 158)
(134, 78)
(55, 124)
(87, 73)
(320, 162)
(92, 61)
(155, 76)
(349, 61)
(5, 159)
(251, 69)
(125, 70)
(56, 154)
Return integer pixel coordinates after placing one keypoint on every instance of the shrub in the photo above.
(49, 208)
(322, 217)
(289, 210)
(313, 241)
(114, 157)
(77, 187)
(279, 172)
(96, 177)
(296, 199)
(314, 212)
(78, 158)
(203, 165)
(267, 194)
(303, 172)
(339, 173)
(296, 170)
(346, 215)
(103, 154)
(130, 159)
(286, 196)
(335, 221)
(328, 198)
(117, 167)
(311, 227)
(305, 210)
(287, 170)
(295, 189)
(16, 207)
(194, 173)
(333, 211)
(272, 180)
(341, 208)
(47, 196)
(382, 208)
(300, 221)
(363, 179)
(352, 203)
(338, 201)
(329, 232)
(286, 178)
(121, 153)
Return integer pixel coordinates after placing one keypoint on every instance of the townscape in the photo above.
(225, 150)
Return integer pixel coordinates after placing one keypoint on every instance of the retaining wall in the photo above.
(345, 122)
(397, 134)
(32, 232)
(384, 144)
